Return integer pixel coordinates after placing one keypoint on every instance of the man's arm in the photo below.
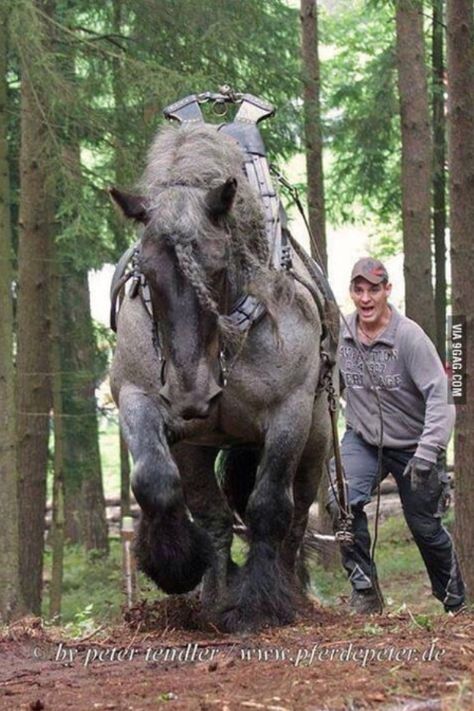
(427, 373)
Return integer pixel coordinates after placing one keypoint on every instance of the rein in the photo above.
(344, 535)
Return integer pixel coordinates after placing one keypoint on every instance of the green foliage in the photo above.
(423, 621)
(372, 630)
(360, 109)
(102, 74)
(105, 340)
(92, 592)
(401, 571)
(109, 454)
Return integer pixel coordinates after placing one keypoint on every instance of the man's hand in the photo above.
(422, 473)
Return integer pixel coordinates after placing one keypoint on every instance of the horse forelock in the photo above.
(195, 156)
(188, 161)
(183, 164)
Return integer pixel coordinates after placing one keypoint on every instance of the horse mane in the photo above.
(182, 163)
(202, 157)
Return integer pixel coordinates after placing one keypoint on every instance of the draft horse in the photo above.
(189, 385)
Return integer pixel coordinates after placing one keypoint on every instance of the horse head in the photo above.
(184, 255)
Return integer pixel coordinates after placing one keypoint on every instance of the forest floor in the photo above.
(164, 655)
(161, 654)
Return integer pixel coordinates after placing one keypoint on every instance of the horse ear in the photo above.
(219, 200)
(132, 206)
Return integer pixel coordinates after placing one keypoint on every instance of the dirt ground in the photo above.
(163, 655)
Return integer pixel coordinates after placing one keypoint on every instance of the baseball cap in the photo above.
(371, 269)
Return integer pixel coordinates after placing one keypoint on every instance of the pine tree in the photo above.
(312, 127)
(416, 164)
(10, 594)
(460, 38)
(439, 175)
(33, 366)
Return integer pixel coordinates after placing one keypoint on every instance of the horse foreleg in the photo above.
(170, 548)
(265, 592)
(210, 510)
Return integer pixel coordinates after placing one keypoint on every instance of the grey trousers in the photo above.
(360, 461)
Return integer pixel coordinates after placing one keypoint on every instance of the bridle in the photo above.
(245, 312)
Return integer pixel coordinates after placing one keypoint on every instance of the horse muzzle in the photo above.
(190, 405)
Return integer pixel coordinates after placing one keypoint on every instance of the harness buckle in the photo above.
(223, 367)
(134, 286)
(286, 261)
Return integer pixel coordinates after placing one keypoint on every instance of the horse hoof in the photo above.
(240, 619)
(174, 554)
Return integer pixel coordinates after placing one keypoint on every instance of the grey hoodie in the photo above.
(411, 383)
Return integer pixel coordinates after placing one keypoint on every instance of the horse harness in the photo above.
(247, 310)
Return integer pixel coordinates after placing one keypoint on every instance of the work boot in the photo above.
(458, 609)
(366, 601)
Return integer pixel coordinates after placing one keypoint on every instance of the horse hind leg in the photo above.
(305, 488)
(170, 548)
(305, 491)
(210, 510)
(237, 471)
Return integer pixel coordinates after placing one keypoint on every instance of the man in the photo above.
(385, 353)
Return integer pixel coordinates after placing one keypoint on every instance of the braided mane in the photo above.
(183, 164)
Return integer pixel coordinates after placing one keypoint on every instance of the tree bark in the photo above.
(119, 84)
(57, 523)
(312, 127)
(33, 380)
(439, 176)
(10, 595)
(316, 209)
(85, 501)
(85, 517)
(416, 164)
(460, 39)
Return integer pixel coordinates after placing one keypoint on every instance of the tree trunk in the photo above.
(10, 597)
(57, 524)
(33, 381)
(316, 210)
(460, 39)
(85, 501)
(119, 84)
(416, 164)
(439, 176)
(312, 127)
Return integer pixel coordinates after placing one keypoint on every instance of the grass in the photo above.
(93, 593)
(110, 455)
(401, 572)
(91, 585)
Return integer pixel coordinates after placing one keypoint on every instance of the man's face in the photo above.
(370, 300)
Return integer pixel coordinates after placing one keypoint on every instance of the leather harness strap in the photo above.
(247, 310)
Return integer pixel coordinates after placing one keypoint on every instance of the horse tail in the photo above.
(236, 472)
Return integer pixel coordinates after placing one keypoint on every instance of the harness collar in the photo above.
(247, 310)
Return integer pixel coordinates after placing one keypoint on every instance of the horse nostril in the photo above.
(195, 412)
